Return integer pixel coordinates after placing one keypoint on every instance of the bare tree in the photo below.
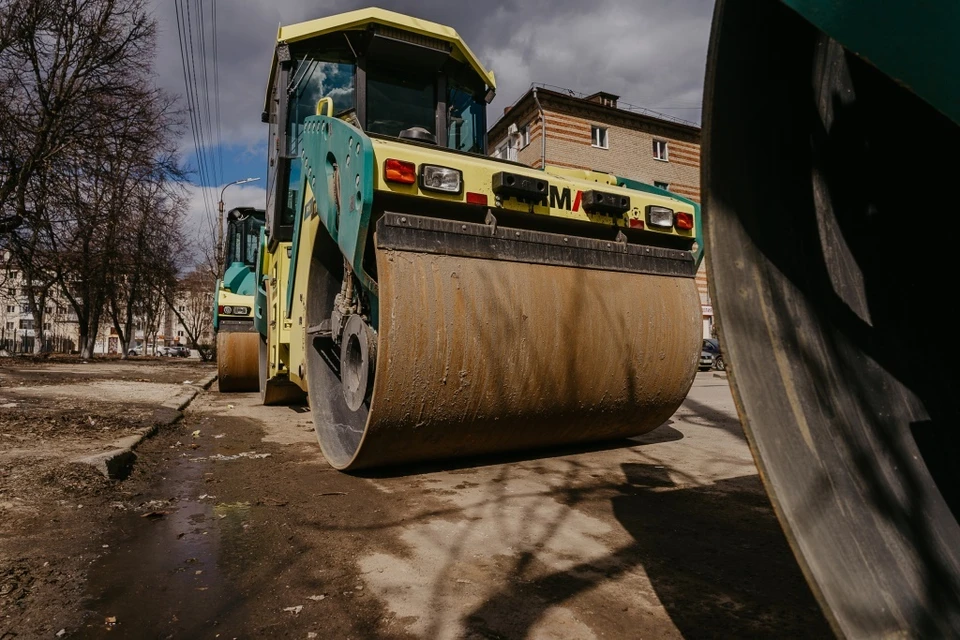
(194, 293)
(32, 255)
(150, 236)
(73, 77)
(59, 61)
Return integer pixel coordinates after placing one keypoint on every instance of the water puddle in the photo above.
(161, 577)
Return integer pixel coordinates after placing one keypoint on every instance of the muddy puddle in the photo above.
(160, 576)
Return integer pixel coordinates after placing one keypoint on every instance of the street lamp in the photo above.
(219, 252)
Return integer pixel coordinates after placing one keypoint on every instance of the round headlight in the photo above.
(228, 310)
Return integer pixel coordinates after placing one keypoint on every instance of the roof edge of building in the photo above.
(521, 104)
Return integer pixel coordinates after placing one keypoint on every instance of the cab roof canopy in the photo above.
(392, 25)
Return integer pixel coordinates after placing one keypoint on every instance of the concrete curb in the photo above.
(206, 382)
(117, 463)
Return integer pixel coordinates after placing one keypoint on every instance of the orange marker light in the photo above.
(399, 171)
(684, 220)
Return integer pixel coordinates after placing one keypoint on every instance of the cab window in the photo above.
(395, 103)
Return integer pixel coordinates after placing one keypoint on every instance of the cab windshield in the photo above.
(312, 80)
(395, 103)
(395, 100)
(243, 240)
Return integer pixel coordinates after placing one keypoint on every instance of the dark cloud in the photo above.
(650, 53)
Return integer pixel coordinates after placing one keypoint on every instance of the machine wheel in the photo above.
(339, 424)
(828, 236)
(357, 350)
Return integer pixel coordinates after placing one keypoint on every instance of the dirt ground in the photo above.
(53, 510)
(232, 525)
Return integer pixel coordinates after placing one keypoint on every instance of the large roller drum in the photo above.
(237, 366)
(829, 220)
(475, 355)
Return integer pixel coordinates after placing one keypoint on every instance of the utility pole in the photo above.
(219, 253)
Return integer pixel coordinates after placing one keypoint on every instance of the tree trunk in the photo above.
(86, 345)
(38, 315)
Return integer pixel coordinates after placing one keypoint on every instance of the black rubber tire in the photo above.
(828, 237)
(339, 429)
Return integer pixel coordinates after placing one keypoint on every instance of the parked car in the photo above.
(711, 356)
(135, 351)
(180, 351)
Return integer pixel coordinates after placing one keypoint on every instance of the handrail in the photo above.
(325, 102)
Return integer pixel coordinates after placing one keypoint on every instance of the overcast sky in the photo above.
(650, 52)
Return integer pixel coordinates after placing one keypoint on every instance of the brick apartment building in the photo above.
(599, 133)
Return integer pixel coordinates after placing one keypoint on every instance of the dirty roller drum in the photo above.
(237, 366)
(828, 249)
(478, 355)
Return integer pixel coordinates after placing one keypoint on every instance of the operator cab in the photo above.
(387, 74)
(243, 237)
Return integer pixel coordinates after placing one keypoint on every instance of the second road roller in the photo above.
(433, 302)
(237, 339)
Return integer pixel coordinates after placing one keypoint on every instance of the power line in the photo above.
(205, 172)
(205, 65)
(188, 89)
(216, 89)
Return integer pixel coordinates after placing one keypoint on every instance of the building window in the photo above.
(524, 135)
(10, 326)
(13, 291)
(26, 324)
(46, 326)
(661, 185)
(182, 309)
(49, 309)
(11, 308)
(599, 135)
(660, 150)
(179, 334)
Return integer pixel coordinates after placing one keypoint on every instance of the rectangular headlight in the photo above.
(659, 217)
(443, 179)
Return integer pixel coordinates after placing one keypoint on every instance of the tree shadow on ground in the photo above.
(714, 555)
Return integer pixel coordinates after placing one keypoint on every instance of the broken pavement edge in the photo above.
(118, 461)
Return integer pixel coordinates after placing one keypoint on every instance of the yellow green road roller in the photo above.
(237, 338)
(433, 302)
